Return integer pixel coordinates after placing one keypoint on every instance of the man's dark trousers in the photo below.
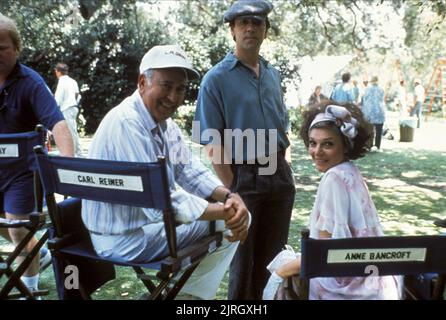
(270, 199)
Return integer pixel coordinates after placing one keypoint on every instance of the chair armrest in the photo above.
(37, 217)
(191, 254)
(59, 243)
(8, 223)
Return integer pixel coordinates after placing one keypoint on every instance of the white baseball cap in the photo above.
(167, 56)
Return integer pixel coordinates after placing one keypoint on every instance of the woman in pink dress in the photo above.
(334, 136)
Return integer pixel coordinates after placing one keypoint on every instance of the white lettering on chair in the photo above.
(9, 150)
(376, 255)
(72, 279)
(103, 181)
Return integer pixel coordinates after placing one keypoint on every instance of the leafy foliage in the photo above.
(103, 40)
(103, 53)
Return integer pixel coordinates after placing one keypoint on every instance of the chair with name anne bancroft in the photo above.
(142, 185)
(16, 153)
(411, 256)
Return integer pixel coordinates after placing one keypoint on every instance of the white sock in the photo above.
(31, 282)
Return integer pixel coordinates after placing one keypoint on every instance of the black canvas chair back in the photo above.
(16, 154)
(355, 257)
(128, 183)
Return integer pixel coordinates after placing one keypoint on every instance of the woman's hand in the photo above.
(288, 269)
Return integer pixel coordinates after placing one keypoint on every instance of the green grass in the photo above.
(408, 187)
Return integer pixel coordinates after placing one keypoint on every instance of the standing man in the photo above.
(138, 130)
(418, 101)
(343, 92)
(67, 98)
(25, 101)
(241, 98)
(373, 108)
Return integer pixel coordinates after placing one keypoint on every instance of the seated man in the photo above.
(138, 130)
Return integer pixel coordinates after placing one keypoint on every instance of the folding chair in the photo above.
(16, 152)
(141, 185)
(355, 257)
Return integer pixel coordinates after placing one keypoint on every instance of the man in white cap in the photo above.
(419, 95)
(138, 130)
(243, 94)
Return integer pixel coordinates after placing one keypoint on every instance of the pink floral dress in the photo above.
(343, 208)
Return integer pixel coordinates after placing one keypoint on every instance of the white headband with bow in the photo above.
(342, 118)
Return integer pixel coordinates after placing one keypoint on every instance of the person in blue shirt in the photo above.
(343, 92)
(241, 119)
(374, 110)
(25, 101)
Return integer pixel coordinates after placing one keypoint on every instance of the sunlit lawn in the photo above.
(407, 186)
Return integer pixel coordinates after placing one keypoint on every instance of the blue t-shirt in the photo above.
(232, 97)
(373, 106)
(25, 101)
(343, 93)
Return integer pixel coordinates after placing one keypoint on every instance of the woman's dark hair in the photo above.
(361, 143)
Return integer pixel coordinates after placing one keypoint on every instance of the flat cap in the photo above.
(255, 8)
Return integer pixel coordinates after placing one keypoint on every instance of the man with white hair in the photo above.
(138, 130)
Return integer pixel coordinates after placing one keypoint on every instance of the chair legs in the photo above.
(180, 283)
(163, 291)
(14, 275)
(439, 288)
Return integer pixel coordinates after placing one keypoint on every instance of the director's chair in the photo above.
(141, 185)
(356, 257)
(16, 153)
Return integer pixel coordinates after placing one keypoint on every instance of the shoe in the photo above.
(374, 149)
(45, 259)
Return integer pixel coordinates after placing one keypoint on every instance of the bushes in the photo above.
(295, 118)
(185, 116)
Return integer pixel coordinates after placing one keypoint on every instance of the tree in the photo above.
(103, 40)
(103, 52)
